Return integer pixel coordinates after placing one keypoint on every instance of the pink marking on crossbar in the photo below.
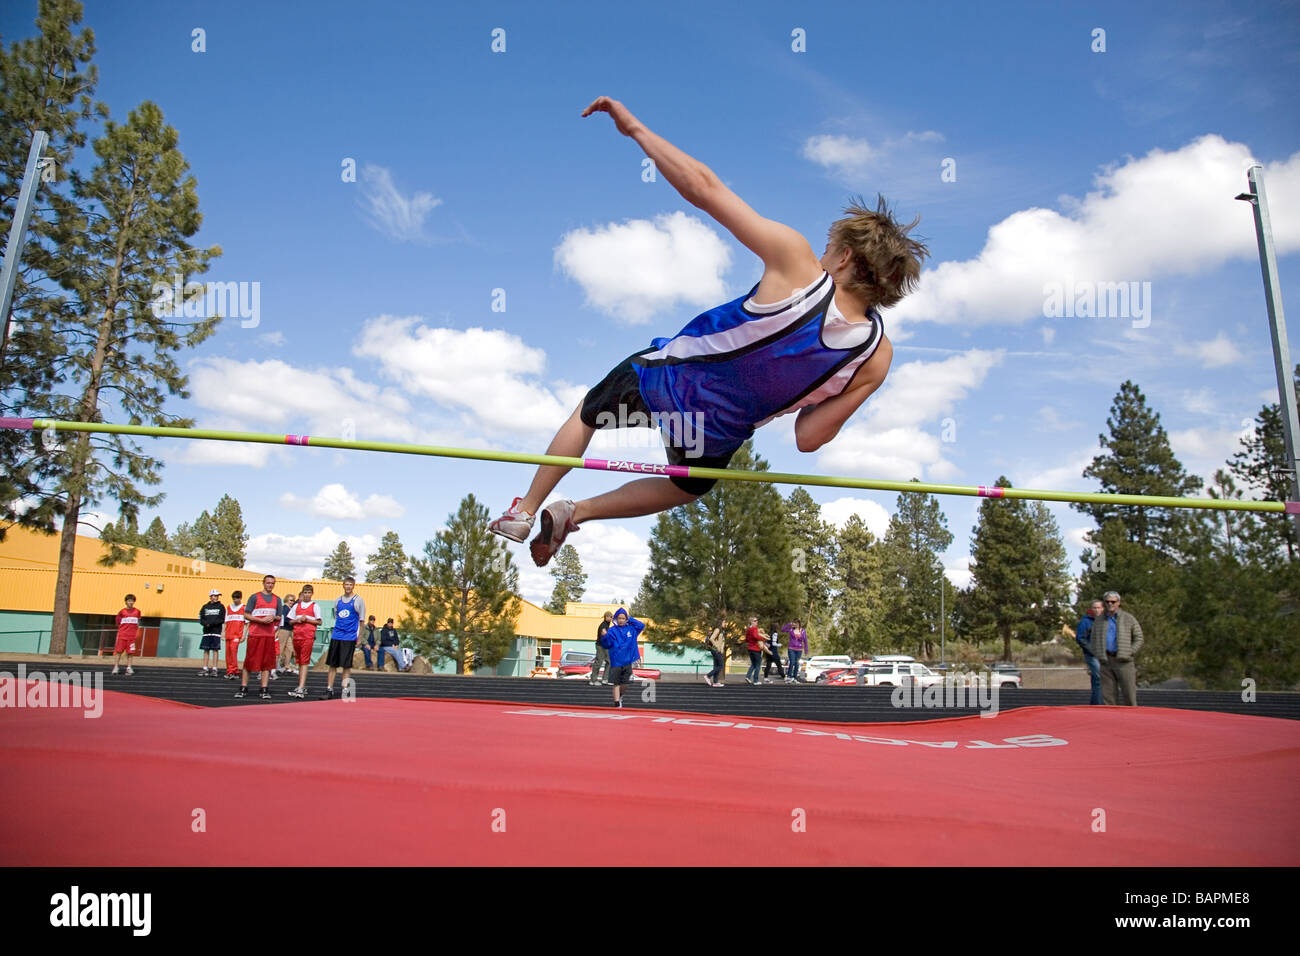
(996, 491)
(638, 467)
(296, 439)
(24, 424)
(1293, 507)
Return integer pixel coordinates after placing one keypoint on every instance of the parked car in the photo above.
(896, 671)
(1006, 675)
(813, 667)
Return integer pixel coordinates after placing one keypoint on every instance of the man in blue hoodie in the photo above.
(623, 652)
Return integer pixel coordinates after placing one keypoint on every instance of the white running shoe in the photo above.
(557, 523)
(515, 525)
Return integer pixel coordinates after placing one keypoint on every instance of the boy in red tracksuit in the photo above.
(305, 617)
(235, 624)
(128, 629)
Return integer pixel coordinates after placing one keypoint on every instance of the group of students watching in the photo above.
(279, 634)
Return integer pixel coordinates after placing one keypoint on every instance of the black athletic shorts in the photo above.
(616, 400)
(340, 653)
(621, 675)
(210, 642)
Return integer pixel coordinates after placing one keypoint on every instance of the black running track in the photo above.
(781, 701)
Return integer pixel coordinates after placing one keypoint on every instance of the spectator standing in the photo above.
(716, 644)
(212, 616)
(1083, 635)
(1116, 642)
(305, 617)
(620, 638)
(754, 645)
(128, 629)
(797, 645)
(263, 611)
(235, 627)
(772, 653)
(349, 611)
(600, 663)
(284, 638)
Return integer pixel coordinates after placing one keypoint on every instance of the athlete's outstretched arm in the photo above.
(781, 248)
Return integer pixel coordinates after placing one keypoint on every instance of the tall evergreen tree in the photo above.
(388, 564)
(1260, 467)
(183, 542)
(460, 596)
(1137, 460)
(570, 580)
(138, 209)
(340, 564)
(155, 536)
(229, 537)
(918, 533)
(814, 542)
(726, 554)
(46, 83)
(1018, 573)
(859, 614)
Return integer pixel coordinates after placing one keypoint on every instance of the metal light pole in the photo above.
(1258, 198)
(18, 231)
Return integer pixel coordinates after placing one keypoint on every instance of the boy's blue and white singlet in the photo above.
(346, 623)
(741, 365)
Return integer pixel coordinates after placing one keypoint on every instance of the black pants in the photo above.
(767, 665)
(717, 666)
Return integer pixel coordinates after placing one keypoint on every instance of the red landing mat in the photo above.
(406, 782)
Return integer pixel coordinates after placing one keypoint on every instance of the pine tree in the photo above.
(1261, 469)
(137, 209)
(858, 626)
(814, 542)
(155, 536)
(45, 84)
(918, 533)
(183, 541)
(388, 564)
(339, 564)
(229, 538)
(1018, 573)
(570, 581)
(460, 596)
(725, 555)
(1139, 461)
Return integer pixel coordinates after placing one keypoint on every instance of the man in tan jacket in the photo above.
(1116, 641)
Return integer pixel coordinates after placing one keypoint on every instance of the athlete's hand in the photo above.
(624, 121)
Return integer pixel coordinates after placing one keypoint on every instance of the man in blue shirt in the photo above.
(1116, 641)
(1083, 635)
(623, 652)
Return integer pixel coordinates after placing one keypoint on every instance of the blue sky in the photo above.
(475, 173)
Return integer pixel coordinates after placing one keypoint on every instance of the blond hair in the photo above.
(886, 261)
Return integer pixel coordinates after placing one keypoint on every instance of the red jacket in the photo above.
(753, 640)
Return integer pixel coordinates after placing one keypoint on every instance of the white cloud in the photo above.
(959, 573)
(873, 514)
(272, 338)
(491, 377)
(614, 557)
(1200, 402)
(1218, 352)
(304, 555)
(393, 214)
(1202, 451)
(1049, 419)
(1066, 477)
(335, 501)
(270, 394)
(844, 154)
(889, 442)
(1165, 214)
(850, 157)
(635, 269)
